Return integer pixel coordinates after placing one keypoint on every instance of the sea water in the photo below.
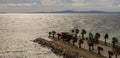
(18, 30)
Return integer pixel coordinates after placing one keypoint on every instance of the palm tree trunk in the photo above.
(105, 41)
(116, 55)
(113, 45)
(89, 48)
(92, 47)
(98, 51)
(53, 35)
(76, 35)
(110, 56)
(80, 45)
(97, 41)
(82, 36)
(58, 37)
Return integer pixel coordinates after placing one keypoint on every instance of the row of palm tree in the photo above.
(96, 38)
(91, 39)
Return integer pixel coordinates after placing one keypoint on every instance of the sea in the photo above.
(18, 30)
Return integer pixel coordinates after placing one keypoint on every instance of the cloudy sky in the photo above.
(58, 5)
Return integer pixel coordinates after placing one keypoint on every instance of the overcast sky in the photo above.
(57, 5)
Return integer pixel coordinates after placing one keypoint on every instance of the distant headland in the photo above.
(65, 11)
(73, 11)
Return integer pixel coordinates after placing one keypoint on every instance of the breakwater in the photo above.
(56, 49)
(65, 49)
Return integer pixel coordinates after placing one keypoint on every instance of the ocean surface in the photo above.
(17, 31)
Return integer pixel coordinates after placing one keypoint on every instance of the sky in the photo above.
(58, 5)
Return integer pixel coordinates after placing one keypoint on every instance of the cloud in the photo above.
(55, 2)
(108, 5)
(15, 5)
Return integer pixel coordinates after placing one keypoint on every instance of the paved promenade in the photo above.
(84, 51)
(104, 52)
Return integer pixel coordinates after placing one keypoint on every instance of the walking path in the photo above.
(84, 51)
(80, 52)
(104, 52)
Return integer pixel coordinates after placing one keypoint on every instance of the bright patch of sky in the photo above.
(58, 5)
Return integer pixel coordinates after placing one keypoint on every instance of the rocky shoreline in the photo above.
(56, 49)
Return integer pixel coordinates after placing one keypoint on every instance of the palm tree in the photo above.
(114, 41)
(76, 31)
(97, 37)
(58, 34)
(72, 31)
(80, 42)
(99, 50)
(91, 41)
(69, 38)
(106, 37)
(50, 34)
(90, 36)
(53, 33)
(110, 53)
(83, 33)
(74, 40)
(90, 44)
